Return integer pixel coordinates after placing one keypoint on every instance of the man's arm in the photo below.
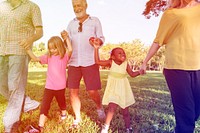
(27, 43)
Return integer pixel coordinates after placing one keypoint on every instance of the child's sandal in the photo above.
(62, 118)
(75, 124)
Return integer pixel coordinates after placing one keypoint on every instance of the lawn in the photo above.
(152, 112)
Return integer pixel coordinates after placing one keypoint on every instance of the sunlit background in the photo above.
(122, 20)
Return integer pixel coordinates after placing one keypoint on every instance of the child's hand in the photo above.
(91, 41)
(98, 42)
(95, 42)
(64, 35)
(142, 70)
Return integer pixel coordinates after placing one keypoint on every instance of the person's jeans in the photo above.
(185, 93)
(13, 80)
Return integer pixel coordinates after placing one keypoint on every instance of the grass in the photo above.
(152, 112)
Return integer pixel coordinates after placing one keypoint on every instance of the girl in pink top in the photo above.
(57, 59)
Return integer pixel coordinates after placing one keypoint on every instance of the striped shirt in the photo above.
(17, 24)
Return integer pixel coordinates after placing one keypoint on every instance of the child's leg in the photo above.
(60, 97)
(42, 120)
(126, 116)
(111, 111)
(45, 106)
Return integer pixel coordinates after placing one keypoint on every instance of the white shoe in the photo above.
(129, 130)
(104, 131)
(104, 128)
(76, 123)
(63, 117)
(30, 104)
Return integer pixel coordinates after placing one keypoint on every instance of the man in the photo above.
(82, 63)
(21, 25)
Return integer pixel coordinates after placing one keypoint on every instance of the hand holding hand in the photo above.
(91, 41)
(95, 41)
(26, 44)
(64, 35)
(142, 70)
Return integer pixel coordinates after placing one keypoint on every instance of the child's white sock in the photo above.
(105, 128)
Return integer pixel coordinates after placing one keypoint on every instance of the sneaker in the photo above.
(104, 128)
(32, 129)
(101, 114)
(129, 130)
(30, 104)
(76, 123)
(63, 117)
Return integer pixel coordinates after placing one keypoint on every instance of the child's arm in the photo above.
(132, 73)
(68, 44)
(98, 61)
(33, 57)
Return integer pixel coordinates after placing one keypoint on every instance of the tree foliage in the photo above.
(135, 51)
(154, 7)
(38, 50)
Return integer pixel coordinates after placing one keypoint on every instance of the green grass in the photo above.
(152, 109)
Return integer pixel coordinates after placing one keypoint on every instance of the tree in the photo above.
(41, 46)
(38, 50)
(157, 62)
(154, 7)
(135, 52)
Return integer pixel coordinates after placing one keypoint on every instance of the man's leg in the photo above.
(16, 87)
(91, 77)
(76, 103)
(29, 104)
(4, 77)
(95, 96)
(73, 82)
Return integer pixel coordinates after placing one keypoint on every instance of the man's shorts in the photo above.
(90, 74)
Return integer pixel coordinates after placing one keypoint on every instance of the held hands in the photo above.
(95, 42)
(142, 70)
(26, 44)
(64, 35)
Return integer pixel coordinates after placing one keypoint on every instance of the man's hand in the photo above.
(64, 35)
(26, 44)
(95, 41)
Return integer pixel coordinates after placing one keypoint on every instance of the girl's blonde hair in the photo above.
(58, 44)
